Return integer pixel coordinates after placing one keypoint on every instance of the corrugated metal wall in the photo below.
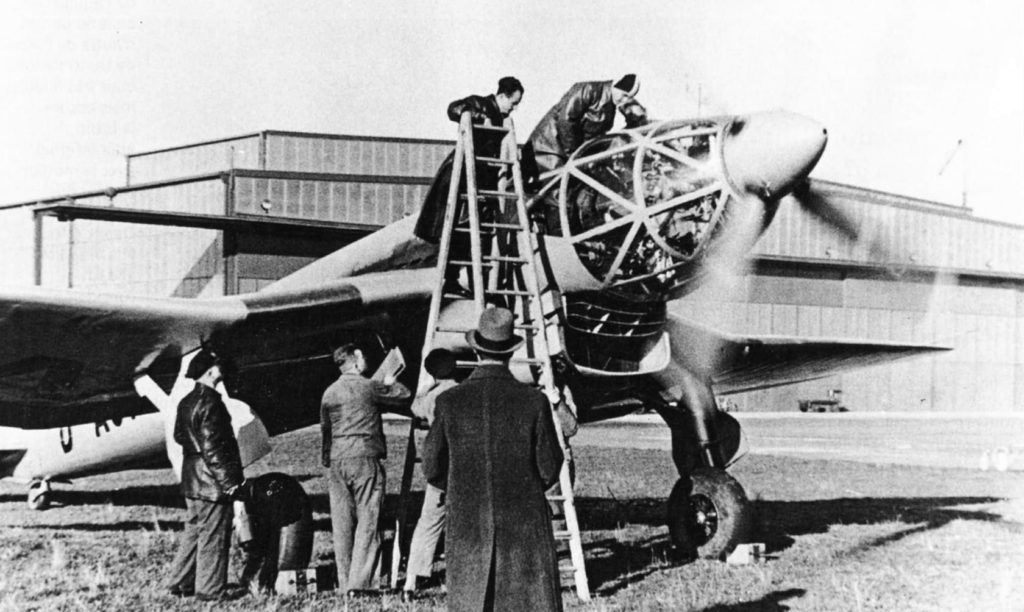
(369, 181)
(353, 155)
(371, 203)
(936, 236)
(242, 152)
(981, 323)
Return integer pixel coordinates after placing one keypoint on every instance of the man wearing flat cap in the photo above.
(586, 111)
(353, 454)
(494, 450)
(211, 477)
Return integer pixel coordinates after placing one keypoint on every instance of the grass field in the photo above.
(842, 535)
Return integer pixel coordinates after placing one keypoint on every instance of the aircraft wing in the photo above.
(747, 363)
(68, 357)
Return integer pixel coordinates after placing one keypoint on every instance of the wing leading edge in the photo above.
(748, 363)
(69, 357)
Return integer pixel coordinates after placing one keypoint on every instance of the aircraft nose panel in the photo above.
(768, 154)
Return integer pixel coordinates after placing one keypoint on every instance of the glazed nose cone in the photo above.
(768, 154)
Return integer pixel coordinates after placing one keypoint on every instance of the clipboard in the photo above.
(393, 364)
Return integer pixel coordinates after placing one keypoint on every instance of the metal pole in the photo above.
(71, 253)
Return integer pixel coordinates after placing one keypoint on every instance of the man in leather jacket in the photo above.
(492, 110)
(586, 111)
(211, 477)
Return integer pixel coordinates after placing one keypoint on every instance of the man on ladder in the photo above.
(494, 449)
(501, 272)
(493, 110)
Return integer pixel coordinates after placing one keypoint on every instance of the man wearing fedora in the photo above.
(584, 112)
(353, 454)
(494, 450)
(211, 477)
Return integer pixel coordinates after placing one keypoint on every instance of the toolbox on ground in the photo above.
(310, 580)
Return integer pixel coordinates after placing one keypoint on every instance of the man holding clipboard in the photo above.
(353, 454)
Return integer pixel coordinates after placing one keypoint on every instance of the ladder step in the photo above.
(532, 360)
(563, 535)
(466, 229)
(556, 498)
(495, 160)
(453, 330)
(494, 193)
(489, 128)
(463, 262)
(504, 226)
(529, 329)
(506, 259)
(508, 292)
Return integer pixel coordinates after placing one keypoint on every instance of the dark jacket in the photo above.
(486, 144)
(211, 465)
(585, 111)
(493, 447)
(482, 107)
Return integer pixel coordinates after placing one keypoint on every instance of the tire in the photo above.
(719, 516)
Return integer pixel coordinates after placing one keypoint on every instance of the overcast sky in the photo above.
(896, 83)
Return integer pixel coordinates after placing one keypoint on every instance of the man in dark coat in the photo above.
(490, 110)
(494, 450)
(211, 476)
(586, 111)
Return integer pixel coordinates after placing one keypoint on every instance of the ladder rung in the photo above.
(489, 128)
(495, 160)
(506, 259)
(563, 535)
(457, 296)
(466, 229)
(532, 328)
(532, 360)
(508, 292)
(504, 226)
(494, 193)
(453, 330)
(463, 262)
(556, 498)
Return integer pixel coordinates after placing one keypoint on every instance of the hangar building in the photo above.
(232, 215)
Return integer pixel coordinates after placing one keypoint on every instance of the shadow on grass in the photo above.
(120, 526)
(615, 565)
(780, 521)
(167, 496)
(771, 602)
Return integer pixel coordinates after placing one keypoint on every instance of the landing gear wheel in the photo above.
(39, 495)
(720, 516)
